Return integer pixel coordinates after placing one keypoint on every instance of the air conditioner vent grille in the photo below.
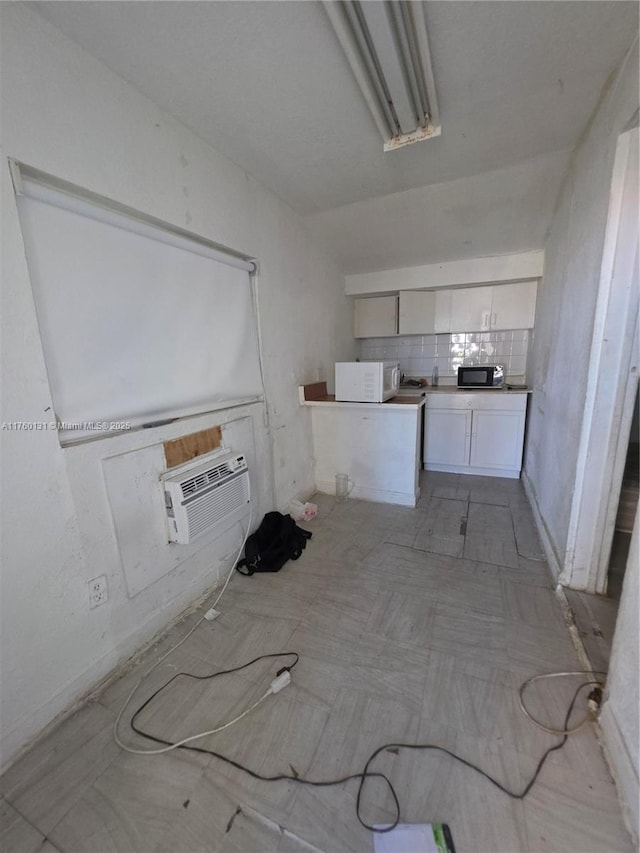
(204, 479)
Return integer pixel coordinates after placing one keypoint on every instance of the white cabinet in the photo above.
(447, 434)
(496, 439)
(470, 309)
(376, 444)
(417, 312)
(513, 306)
(500, 307)
(428, 312)
(475, 433)
(424, 312)
(376, 317)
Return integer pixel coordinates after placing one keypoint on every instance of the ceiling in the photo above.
(266, 84)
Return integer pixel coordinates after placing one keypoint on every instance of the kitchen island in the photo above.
(376, 444)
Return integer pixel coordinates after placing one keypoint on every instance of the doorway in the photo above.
(612, 385)
(627, 509)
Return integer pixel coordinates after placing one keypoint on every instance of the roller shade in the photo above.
(138, 323)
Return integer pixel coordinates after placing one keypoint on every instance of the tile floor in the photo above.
(412, 625)
(596, 615)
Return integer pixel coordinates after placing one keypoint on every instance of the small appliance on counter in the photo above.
(366, 381)
(481, 376)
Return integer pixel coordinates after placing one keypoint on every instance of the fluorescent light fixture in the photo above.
(387, 47)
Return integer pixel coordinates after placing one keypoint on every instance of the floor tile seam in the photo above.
(25, 818)
(245, 611)
(515, 537)
(566, 769)
(558, 631)
(518, 579)
(413, 671)
(481, 760)
(498, 620)
(312, 760)
(93, 788)
(48, 835)
(237, 800)
(9, 792)
(504, 681)
(496, 565)
(65, 720)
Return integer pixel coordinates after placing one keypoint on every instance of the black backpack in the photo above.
(277, 540)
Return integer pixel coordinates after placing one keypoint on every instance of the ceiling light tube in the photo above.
(398, 27)
(415, 13)
(388, 52)
(340, 24)
(362, 34)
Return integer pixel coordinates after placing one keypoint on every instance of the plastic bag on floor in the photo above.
(302, 511)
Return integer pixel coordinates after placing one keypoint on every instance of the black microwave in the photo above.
(481, 376)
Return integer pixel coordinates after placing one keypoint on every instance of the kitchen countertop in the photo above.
(394, 403)
(453, 389)
(406, 390)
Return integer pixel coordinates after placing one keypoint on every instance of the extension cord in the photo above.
(283, 678)
(209, 616)
(280, 681)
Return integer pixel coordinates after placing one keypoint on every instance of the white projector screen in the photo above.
(138, 325)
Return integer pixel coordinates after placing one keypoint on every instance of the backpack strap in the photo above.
(249, 571)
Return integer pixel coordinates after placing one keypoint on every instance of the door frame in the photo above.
(612, 383)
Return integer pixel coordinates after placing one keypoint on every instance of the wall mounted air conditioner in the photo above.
(208, 497)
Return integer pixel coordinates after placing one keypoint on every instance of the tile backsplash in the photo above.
(418, 354)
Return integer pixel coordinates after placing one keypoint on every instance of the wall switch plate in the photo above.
(98, 592)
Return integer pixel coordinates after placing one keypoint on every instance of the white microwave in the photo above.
(366, 381)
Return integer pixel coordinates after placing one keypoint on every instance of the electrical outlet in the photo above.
(98, 592)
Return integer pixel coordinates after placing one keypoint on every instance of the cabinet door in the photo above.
(496, 439)
(376, 317)
(471, 309)
(417, 312)
(513, 306)
(447, 435)
(442, 320)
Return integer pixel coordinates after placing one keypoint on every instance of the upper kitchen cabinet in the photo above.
(427, 312)
(424, 312)
(375, 317)
(470, 309)
(513, 306)
(500, 307)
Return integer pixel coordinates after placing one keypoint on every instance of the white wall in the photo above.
(558, 361)
(559, 352)
(486, 215)
(65, 113)
(620, 718)
(521, 266)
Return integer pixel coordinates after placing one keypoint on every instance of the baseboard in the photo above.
(328, 487)
(543, 533)
(621, 766)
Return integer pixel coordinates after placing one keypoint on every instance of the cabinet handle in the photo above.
(494, 320)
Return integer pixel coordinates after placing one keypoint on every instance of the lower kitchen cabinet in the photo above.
(447, 433)
(480, 432)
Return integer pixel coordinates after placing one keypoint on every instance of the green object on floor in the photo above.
(414, 838)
